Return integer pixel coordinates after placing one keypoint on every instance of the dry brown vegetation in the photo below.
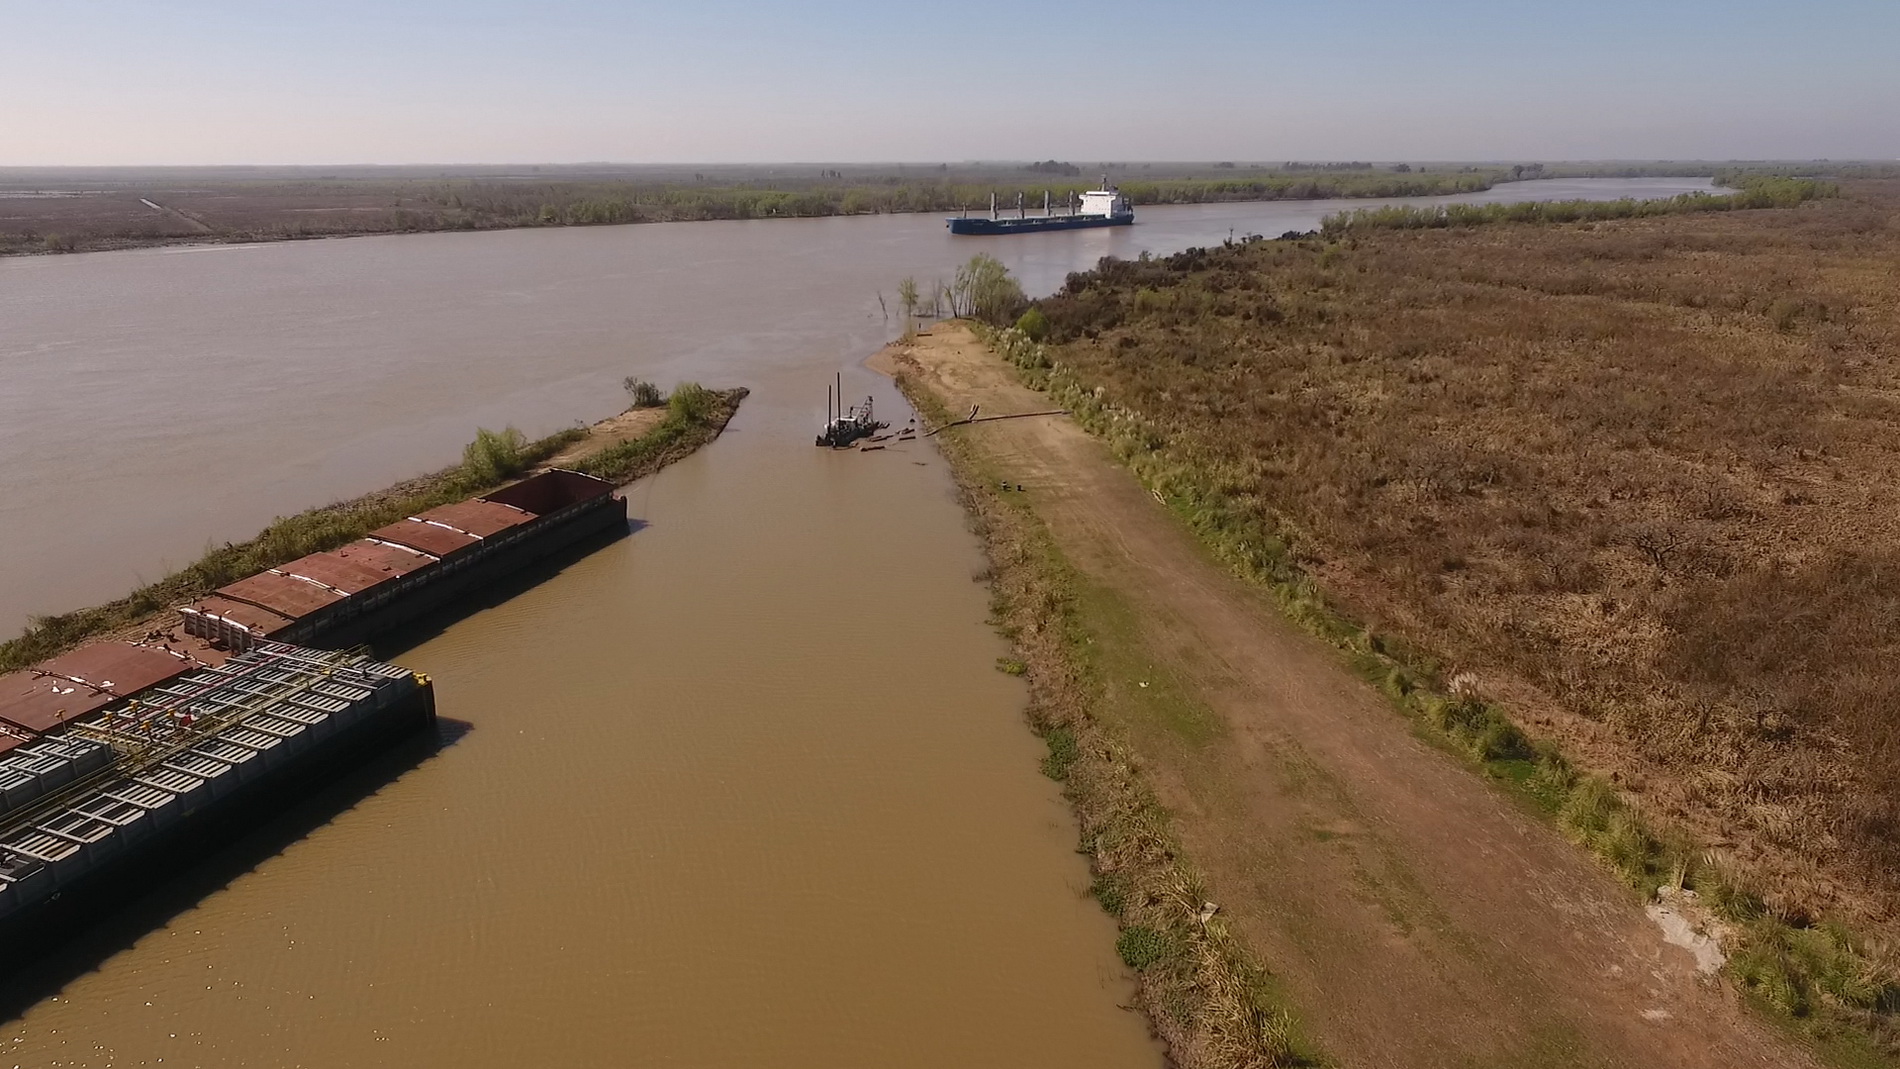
(1635, 478)
(106, 208)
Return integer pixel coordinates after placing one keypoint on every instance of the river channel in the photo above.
(741, 789)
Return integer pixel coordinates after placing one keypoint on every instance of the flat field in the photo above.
(1405, 913)
(1634, 480)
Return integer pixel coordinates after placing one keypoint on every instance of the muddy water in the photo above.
(156, 400)
(741, 789)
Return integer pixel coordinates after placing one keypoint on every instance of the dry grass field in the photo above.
(1636, 480)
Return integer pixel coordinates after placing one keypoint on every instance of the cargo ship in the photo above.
(1106, 206)
(119, 754)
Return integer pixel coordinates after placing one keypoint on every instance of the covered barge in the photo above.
(417, 564)
(137, 776)
(117, 754)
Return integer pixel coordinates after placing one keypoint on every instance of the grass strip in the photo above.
(1814, 975)
(1207, 999)
(695, 415)
(492, 459)
(1751, 192)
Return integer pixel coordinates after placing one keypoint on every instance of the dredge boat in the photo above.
(843, 426)
(1106, 206)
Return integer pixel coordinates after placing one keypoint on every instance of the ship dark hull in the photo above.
(977, 225)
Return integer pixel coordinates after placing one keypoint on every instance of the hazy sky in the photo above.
(341, 81)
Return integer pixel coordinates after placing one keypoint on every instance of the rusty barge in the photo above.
(410, 567)
(117, 754)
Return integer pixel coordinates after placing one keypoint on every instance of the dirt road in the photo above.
(1414, 914)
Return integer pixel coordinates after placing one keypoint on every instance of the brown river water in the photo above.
(741, 789)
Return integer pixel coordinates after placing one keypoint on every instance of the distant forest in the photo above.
(77, 210)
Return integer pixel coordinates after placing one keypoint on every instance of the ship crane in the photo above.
(1106, 206)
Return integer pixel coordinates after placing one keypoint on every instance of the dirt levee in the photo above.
(1416, 916)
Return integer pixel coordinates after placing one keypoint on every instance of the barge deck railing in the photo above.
(189, 715)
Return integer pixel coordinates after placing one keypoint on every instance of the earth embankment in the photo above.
(1412, 914)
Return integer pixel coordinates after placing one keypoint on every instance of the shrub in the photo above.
(985, 290)
(642, 393)
(691, 402)
(1034, 324)
(493, 455)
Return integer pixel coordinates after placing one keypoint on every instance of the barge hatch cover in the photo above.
(76, 685)
(292, 598)
(392, 560)
(252, 618)
(119, 667)
(425, 537)
(483, 519)
(351, 575)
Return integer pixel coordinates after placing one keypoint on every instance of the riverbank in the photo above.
(1208, 1000)
(140, 214)
(1655, 613)
(1410, 914)
(622, 448)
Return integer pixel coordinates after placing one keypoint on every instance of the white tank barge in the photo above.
(143, 778)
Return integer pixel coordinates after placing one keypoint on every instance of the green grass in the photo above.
(1141, 947)
(1752, 192)
(1150, 694)
(694, 416)
(1208, 1000)
(1064, 752)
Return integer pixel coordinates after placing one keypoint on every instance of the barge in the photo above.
(1106, 206)
(140, 777)
(417, 564)
(118, 755)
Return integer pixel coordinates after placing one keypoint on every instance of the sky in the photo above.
(105, 82)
